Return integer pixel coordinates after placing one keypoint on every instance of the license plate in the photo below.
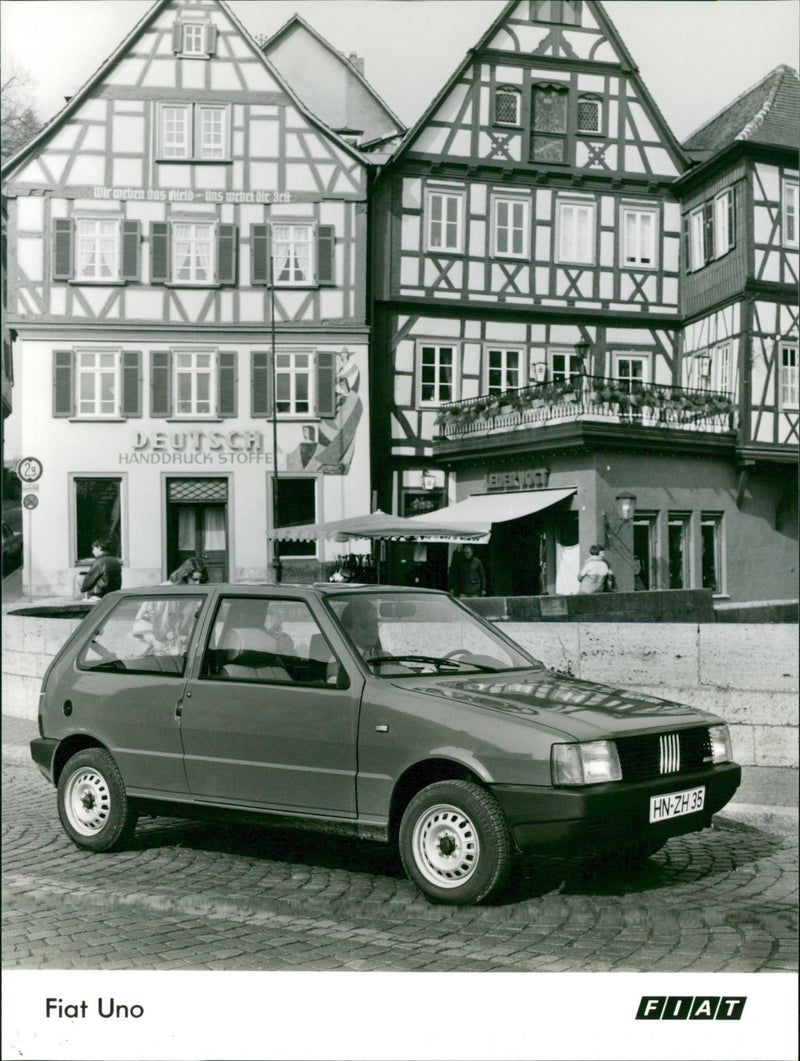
(674, 804)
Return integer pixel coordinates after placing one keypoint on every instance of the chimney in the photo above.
(357, 62)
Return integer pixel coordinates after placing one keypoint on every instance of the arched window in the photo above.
(589, 114)
(506, 105)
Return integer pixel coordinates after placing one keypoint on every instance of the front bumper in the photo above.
(607, 817)
(43, 753)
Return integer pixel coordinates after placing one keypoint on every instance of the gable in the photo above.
(109, 135)
(528, 77)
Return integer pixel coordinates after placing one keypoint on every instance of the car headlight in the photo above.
(720, 740)
(585, 764)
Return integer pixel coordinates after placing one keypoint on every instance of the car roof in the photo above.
(283, 589)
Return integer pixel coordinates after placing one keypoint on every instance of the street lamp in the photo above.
(626, 508)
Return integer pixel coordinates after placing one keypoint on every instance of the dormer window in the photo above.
(561, 12)
(506, 106)
(196, 40)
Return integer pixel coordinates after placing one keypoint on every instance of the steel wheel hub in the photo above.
(446, 846)
(87, 802)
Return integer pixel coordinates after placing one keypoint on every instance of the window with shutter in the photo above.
(226, 384)
(260, 384)
(195, 39)
(697, 244)
(160, 377)
(97, 383)
(326, 383)
(294, 381)
(131, 383)
(259, 254)
(723, 223)
(62, 248)
(63, 389)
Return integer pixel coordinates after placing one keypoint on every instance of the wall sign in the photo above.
(189, 195)
(526, 479)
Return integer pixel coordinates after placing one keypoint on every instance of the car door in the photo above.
(128, 683)
(267, 721)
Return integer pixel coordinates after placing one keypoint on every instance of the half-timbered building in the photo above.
(528, 318)
(187, 285)
(739, 300)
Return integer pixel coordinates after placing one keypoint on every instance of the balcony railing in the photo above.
(590, 398)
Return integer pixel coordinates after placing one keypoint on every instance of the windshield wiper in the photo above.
(440, 662)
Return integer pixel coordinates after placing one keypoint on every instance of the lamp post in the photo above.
(625, 509)
(276, 555)
(582, 349)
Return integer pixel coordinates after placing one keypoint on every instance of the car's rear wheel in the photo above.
(454, 842)
(92, 802)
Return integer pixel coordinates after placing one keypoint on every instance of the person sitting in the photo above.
(360, 620)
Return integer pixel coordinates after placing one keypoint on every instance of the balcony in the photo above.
(591, 400)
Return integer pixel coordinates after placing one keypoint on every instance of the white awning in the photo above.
(480, 511)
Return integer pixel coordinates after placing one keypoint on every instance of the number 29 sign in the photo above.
(29, 469)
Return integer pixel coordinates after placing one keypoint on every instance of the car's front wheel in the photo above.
(92, 802)
(454, 842)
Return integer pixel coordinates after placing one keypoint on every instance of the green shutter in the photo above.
(732, 217)
(160, 380)
(131, 238)
(259, 254)
(159, 252)
(326, 252)
(63, 388)
(226, 254)
(177, 36)
(260, 384)
(62, 248)
(226, 385)
(132, 383)
(211, 39)
(687, 246)
(326, 384)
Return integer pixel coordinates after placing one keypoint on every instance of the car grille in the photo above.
(658, 755)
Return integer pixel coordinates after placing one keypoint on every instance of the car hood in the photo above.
(582, 709)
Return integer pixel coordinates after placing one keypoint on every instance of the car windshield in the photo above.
(399, 634)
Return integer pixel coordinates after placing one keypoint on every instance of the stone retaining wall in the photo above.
(746, 673)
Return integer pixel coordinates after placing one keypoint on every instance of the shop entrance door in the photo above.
(197, 524)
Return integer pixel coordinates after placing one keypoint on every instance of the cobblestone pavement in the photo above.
(188, 895)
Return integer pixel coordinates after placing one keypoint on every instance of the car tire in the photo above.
(454, 843)
(93, 805)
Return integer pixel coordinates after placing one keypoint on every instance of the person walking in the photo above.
(592, 576)
(467, 576)
(105, 574)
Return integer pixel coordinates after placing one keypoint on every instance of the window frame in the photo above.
(639, 212)
(97, 219)
(213, 243)
(194, 150)
(293, 372)
(716, 520)
(571, 359)
(74, 479)
(514, 92)
(790, 208)
(558, 8)
(293, 243)
(437, 347)
(511, 201)
(459, 196)
(194, 372)
(563, 205)
(191, 25)
(81, 372)
(684, 521)
(789, 393)
(724, 223)
(590, 97)
(697, 239)
(304, 550)
(503, 368)
(722, 357)
(644, 356)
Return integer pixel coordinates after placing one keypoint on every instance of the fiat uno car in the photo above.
(390, 714)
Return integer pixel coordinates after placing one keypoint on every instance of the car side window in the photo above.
(144, 636)
(268, 640)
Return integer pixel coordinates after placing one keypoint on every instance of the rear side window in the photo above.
(144, 636)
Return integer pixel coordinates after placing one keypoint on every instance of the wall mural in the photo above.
(328, 446)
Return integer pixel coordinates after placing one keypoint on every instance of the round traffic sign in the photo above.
(29, 469)
(30, 501)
